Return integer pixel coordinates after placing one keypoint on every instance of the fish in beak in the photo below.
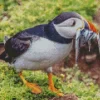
(84, 36)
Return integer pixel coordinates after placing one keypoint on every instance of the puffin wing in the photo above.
(19, 43)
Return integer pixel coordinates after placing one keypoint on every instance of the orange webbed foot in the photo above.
(56, 91)
(35, 88)
(51, 86)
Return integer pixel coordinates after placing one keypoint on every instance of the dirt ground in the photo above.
(88, 62)
(66, 97)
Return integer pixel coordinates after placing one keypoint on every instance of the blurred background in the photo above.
(17, 15)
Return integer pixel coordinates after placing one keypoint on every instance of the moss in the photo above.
(15, 17)
(12, 88)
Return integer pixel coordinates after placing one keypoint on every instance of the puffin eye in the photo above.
(73, 23)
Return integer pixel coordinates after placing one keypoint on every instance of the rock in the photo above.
(95, 77)
(66, 97)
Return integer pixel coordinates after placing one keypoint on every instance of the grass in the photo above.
(14, 18)
(12, 88)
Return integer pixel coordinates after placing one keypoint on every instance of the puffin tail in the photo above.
(2, 52)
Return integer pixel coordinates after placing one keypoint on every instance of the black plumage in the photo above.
(64, 16)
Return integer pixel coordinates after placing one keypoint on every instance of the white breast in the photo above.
(42, 54)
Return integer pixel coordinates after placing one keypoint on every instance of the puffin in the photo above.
(42, 46)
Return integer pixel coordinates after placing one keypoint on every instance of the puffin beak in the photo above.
(88, 25)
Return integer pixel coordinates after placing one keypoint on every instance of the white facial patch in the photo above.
(69, 27)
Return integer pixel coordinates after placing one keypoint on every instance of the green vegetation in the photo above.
(16, 15)
(12, 88)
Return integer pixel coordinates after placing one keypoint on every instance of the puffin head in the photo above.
(67, 24)
(71, 25)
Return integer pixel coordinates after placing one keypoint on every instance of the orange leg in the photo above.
(51, 85)
(35, 88)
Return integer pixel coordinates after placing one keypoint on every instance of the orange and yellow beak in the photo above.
(90, 26)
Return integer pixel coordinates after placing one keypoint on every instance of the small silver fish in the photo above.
(82, 37)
